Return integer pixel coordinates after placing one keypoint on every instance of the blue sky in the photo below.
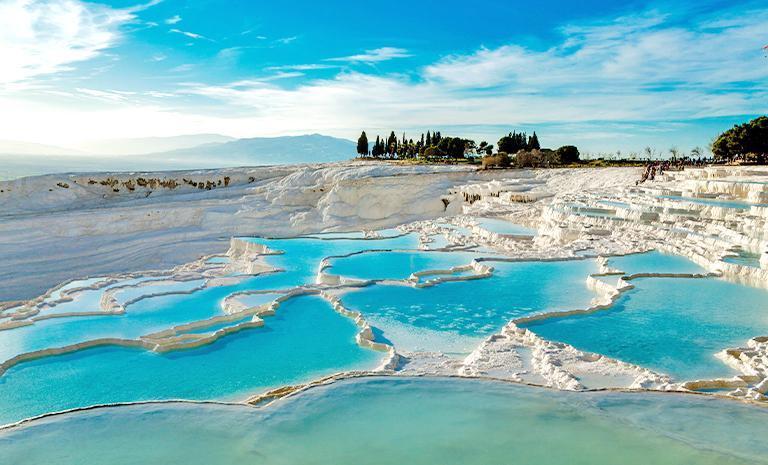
(604, 75)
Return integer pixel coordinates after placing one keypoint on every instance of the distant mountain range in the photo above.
(313, 148)
(14, 147)
(144, 145)
(186, 152)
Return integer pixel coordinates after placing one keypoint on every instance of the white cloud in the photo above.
(284, 40)
(182, 68)
(191, 35)
(628, 55)
(645, 68)
(173, 19)
(305, 67)
(640, 69)
(44, 37)
(375, 55)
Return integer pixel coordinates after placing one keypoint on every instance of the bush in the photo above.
(500, 160)
(524, 159)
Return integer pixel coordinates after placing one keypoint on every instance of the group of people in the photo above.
(652, 169)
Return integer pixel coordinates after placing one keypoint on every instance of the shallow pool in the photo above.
(474, 308)
(735, 204)
(306, 339)
(397, 264)
(398, 421)
(671, 325)
(655, 262)
(744, 258)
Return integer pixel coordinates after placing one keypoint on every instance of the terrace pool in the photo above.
(415, 421)
(306, 339)
(397, 264)
(473, 309)
(671, 325)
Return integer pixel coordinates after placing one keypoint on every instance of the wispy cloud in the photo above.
(191, 35)
(375, 55)
(44, 37)
(173, 19)
(108, 95)
(628, 69)
(304, 67)
(183, 68)
(286, 40)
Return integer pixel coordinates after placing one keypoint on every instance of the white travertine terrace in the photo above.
(577, 214)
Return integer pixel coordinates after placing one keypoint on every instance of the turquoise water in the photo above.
(75, 284)
(254, 300)
(397, 265)
(655, 262)
(439, 241)
(300, 263)
(125, 295)
(302, 256)
(590, 212)
(500, 226)
(406, 421)
(744, 259)
(614, 203)
(143, 317)
(304, 340)
(735, 204)
(474, 308)
(383, 233)
(88, 300)
(671, 325)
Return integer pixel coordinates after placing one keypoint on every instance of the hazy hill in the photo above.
(143, 145)
(313, 148)
(36, 159)
(15, 147)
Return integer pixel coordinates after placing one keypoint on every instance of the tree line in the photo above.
(434, 146)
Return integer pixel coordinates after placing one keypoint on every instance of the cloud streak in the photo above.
(191, 35)
(375, 55)
(45, 37)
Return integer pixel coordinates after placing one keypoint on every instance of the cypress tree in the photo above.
(533, 143)
(362, 145)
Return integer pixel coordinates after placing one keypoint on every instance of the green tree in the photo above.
(362, 145)
(513, 143)
(747, 141)
(568, 154)
(533, 142)
(392, 144)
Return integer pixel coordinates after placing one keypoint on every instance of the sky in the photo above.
(602, 75)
